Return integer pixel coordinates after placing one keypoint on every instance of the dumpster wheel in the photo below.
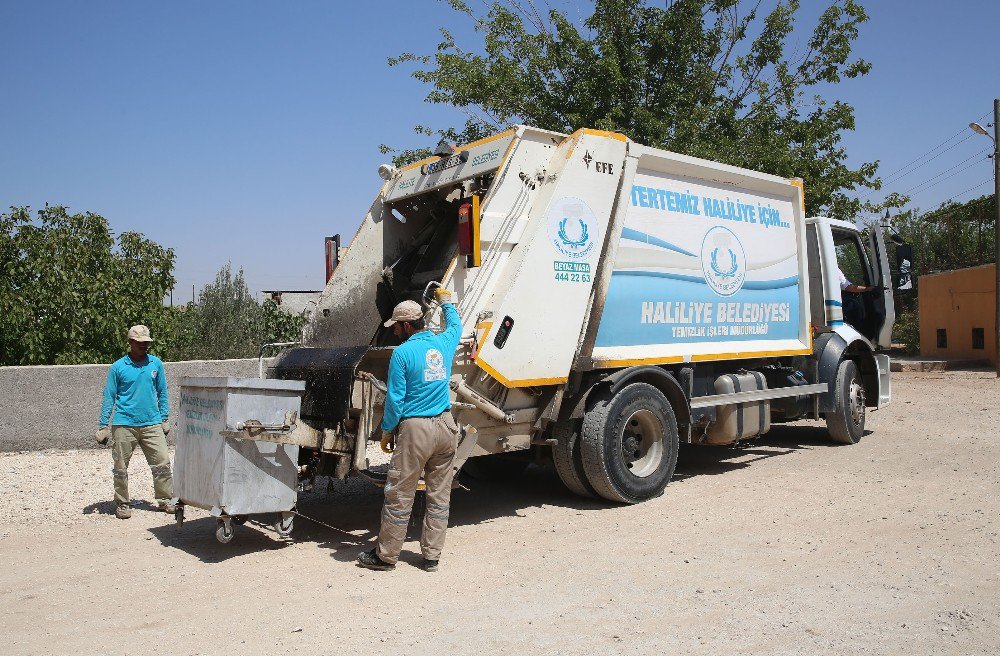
(284, 524)
(224, 531)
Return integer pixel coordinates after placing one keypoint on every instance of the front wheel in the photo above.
(629, 444)
(846, 422)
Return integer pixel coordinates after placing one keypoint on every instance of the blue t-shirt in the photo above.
(419, 371)
(138, 393)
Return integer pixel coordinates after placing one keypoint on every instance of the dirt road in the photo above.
(790, 546)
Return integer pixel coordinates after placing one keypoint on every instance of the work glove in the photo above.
(103, 435)
(165, 426)
(443, 295)
(388, 442)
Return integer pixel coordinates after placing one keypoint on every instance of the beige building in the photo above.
(957, 312)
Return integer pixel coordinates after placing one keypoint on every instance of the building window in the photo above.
(942, 338)
(978, 338)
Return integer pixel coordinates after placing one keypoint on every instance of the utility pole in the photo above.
(996, 201)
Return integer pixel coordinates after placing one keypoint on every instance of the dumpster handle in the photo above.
(260, 360)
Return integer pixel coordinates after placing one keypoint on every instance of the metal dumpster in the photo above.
(234, 478)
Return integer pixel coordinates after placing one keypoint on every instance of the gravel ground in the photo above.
(789, 546)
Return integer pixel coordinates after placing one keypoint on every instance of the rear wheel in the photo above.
(847, 421)
(567, 459)
(629, 444)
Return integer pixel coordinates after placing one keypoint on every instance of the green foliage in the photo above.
(953, 236)
(228, 322)
(69, 291)
(906, 330)
(718, 79)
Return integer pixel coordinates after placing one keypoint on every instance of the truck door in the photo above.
(882, 296)
(865, 311)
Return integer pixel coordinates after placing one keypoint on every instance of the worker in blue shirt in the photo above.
(424, 435)
(137, 390)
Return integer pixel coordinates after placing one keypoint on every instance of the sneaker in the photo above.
(430, 565)
(167, 507)
(371, 560)
(123, 511)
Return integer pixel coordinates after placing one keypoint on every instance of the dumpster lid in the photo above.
(244, 383)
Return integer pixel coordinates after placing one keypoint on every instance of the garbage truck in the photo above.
(616, 300)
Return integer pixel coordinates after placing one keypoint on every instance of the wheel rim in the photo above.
(642, 443)
(857, 403)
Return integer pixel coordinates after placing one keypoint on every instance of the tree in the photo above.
(711, 78)
(227, 322)
(953, 236)
(69, 290)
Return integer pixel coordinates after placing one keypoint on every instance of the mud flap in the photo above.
(884, 381)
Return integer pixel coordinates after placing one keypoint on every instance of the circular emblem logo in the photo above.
(723, 261)
(434, 359)
(573, 228)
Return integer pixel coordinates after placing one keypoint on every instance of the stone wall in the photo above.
(57, 407)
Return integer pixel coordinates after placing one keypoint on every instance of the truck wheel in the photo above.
(567, 459)
(847, 421)
(629, 444)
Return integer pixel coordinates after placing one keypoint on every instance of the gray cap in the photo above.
(405, 311)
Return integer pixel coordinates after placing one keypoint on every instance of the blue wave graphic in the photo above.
(638, 235)
(780, 283)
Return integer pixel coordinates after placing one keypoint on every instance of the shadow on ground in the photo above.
(108, 507)
(343, 516)
(781, 440)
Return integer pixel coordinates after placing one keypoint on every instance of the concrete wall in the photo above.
(956, 302)
(58, 406)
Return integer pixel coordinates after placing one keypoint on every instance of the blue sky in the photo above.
(247, 132)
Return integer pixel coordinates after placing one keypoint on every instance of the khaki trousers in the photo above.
(424, 445)
(153, 443)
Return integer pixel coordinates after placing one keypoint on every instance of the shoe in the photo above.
(430, 565)
(167, 507)
(371, 560)
(123, 511)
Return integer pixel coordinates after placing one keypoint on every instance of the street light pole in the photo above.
(996, 227)
(996, 201)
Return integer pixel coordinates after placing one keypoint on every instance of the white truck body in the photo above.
(596, 267)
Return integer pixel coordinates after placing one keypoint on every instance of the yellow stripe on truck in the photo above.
(748, 354)
(507, 382)
(604, 133)
(802, 197)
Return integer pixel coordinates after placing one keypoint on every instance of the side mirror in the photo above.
(904, 262)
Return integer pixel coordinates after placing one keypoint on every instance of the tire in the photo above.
(495, 468)
(639, 420)
(567, 459)
(847, 421)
